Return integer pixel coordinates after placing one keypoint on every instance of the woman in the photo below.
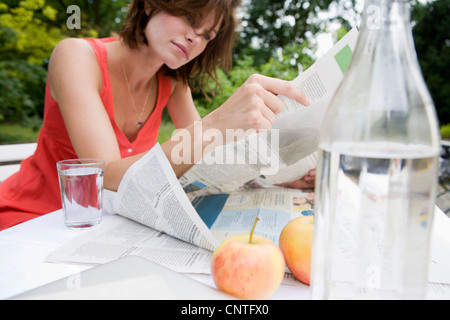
(104, 97)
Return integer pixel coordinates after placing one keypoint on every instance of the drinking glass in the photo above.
(81, 184)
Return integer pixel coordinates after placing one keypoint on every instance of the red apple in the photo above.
(296, 244)
(248, 267)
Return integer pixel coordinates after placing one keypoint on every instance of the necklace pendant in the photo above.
(140, 124)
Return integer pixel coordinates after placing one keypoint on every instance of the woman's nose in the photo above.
(194, 36)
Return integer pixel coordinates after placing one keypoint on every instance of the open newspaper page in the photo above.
(151, 194)
(224, 215)
(117, 237)
(288, 151)
(228, 215)
(155, 220)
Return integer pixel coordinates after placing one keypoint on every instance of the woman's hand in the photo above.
(254, 105)
(306, 182)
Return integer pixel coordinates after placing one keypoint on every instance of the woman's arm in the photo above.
(252, 106)
(181, 106)
(76, 82)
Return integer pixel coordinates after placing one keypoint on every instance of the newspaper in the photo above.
(177, 223)
(154, 219)
(288, 151)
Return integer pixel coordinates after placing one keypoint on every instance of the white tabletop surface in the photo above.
(23, 250)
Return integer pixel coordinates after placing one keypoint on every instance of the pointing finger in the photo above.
(277, 86)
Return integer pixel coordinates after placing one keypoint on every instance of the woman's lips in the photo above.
(181, 49)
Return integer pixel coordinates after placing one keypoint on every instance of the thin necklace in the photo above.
(139, 123)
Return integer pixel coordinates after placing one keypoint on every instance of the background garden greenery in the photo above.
(277, 38)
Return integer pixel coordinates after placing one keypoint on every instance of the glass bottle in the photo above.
(378, 168)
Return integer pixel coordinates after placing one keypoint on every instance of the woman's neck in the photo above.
(139, 64)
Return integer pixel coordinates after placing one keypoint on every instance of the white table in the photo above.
(23, 250)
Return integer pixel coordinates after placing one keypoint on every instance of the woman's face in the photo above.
(175, 41)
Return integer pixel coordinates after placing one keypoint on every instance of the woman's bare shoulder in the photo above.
(178, 86)
(74, 59)
(72, 47)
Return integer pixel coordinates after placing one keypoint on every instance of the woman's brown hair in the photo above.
(218, 52)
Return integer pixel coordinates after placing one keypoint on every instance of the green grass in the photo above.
(445, 131)
(165, 131)
(17, 133)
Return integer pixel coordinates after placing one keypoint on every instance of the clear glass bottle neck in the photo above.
(386, 33)
(383, 96)
(386, 15)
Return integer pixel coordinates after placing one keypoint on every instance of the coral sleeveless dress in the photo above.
(34, 190)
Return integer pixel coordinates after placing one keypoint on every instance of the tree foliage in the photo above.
(283, 64)
(270, 24)
(29, 30)
(432, 41)
(25, 43)
(275, 40)
(98, 18)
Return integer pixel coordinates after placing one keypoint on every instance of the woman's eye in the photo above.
(207, 37)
